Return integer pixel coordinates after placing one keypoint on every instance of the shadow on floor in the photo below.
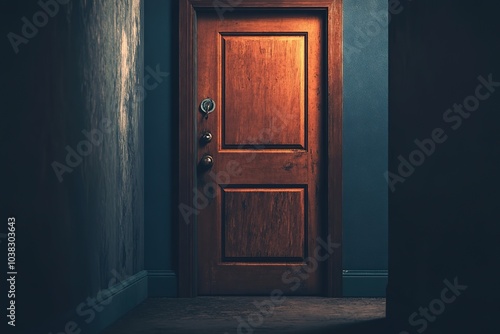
(376, 326)
(254, 315)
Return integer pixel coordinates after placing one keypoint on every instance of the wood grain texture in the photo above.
(256, 162)
(264, 76)
(263, 224)
(186, 181)
(228, 224)
(334, 125)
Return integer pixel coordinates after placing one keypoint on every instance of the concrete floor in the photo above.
(240, 315)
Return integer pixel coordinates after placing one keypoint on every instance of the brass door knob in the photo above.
(207, 161)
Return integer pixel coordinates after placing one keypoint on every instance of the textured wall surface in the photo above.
(79, 218)
(111, 69)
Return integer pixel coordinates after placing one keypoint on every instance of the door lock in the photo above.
(207, 106)
(207, 161)
(206, 137)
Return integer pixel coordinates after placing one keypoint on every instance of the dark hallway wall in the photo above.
(160, 144)
(82, 231)
(365, 144)
(443, 210)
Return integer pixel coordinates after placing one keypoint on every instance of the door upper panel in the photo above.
(264, 75)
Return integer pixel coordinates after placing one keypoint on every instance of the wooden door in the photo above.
(263, 172)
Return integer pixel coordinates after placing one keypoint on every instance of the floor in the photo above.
(257, 315)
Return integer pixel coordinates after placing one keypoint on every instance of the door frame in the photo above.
(187, 241)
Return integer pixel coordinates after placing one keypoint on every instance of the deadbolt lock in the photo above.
(207, 161)
(206, 137)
